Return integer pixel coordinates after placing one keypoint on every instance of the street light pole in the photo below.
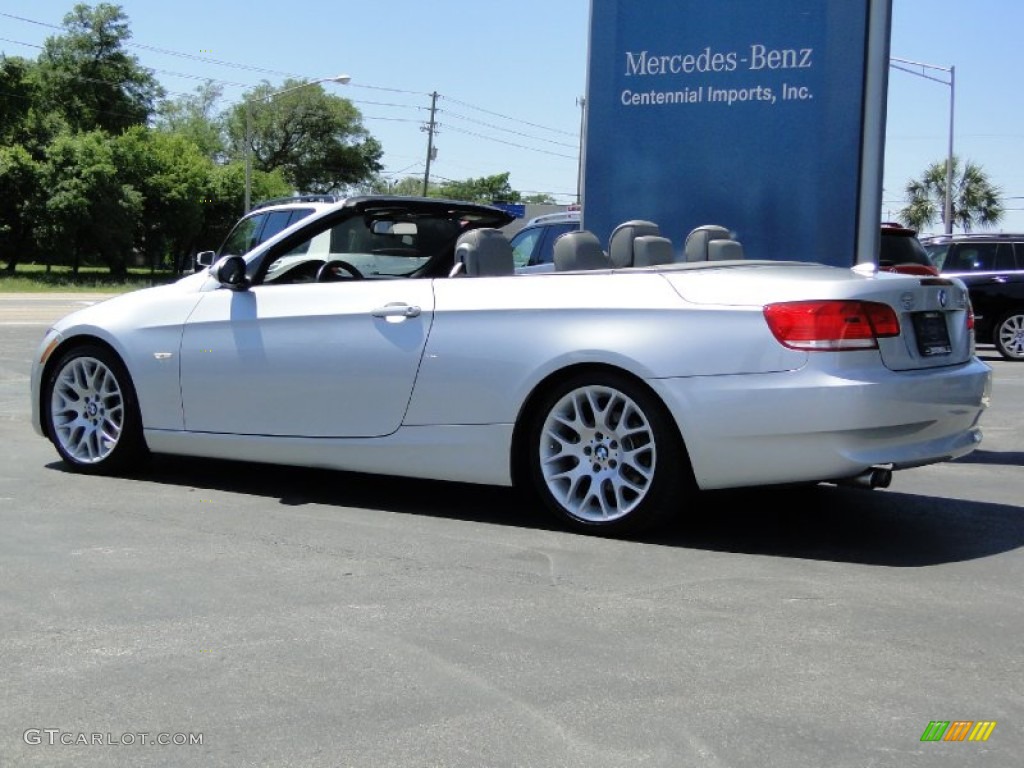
(903, 65)
(581, 102)
(949, 160)
(248, 152)
(247, 149)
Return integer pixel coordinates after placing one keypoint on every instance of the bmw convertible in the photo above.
(393, 336)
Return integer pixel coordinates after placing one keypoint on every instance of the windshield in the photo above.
(393, 245)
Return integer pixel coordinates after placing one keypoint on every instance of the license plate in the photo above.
(932, 334)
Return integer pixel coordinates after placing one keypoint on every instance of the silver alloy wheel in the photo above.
(1011, 336)
(597, 453)
(87, 410)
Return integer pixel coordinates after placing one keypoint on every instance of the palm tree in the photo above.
(975, 200)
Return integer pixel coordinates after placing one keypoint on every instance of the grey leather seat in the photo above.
(724, 250)
(483, 253)
(579, 250)
(711, 242)
(649, 250)
(621, 250)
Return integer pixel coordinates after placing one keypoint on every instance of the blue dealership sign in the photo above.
(764, 116)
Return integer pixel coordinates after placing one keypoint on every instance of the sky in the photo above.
(509, 78)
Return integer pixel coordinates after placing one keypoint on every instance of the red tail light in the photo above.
(832, 326)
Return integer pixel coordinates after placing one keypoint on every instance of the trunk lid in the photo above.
(933, 311)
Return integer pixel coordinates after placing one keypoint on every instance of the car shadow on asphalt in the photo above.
(989, 354)
(823, 522)
(1003, 458)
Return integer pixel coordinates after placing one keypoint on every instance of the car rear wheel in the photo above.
(605, 456)
(90, 412)
(1009, 335)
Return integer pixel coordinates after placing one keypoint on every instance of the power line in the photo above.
(391, 119)
(264, 70)
(217, 81)
(205, 59)
(513, 119)
(407, 168)
(508, 130)
(151, 69)
(509, 143)
(166, 51)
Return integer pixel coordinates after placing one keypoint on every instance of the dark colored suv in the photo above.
(533, 246)
(992, 267)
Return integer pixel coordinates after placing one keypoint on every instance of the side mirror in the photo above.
(230, 273)
(205, 259)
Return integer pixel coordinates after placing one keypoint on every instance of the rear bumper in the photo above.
(813, 425)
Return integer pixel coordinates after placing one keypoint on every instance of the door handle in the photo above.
(396, 309)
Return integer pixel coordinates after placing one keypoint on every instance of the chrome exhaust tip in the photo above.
(876, 477)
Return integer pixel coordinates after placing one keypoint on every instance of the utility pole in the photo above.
(431, 129)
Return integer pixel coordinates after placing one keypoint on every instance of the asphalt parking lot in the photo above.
(289, 617)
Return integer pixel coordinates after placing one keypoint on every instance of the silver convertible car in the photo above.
(393, 336)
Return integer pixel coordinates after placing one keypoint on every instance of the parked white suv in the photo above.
(264, 221)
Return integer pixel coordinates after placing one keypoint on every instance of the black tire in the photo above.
(1008, 335)
(91, 412)
(605, 457)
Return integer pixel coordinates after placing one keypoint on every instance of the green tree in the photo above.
(172, 175)
(379, 185)
(411, 186)
(89, 78)
(486, 189)
(20, 194)
(975, 200)
(17, 97)
(539, 199)
(25, 118)
(194, 116)
(317, 140)
(91, 212)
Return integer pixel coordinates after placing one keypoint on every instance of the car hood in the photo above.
(128, 308)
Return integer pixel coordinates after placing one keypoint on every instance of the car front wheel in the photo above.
(605, 457)
(1009, 335)
(91, 413)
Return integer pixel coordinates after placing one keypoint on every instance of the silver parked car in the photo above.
(393, 336)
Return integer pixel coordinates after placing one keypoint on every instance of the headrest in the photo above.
(620, 245)
(696, 246)
(579, 250)
(724, 250)
(651, 249)
(484, 252)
